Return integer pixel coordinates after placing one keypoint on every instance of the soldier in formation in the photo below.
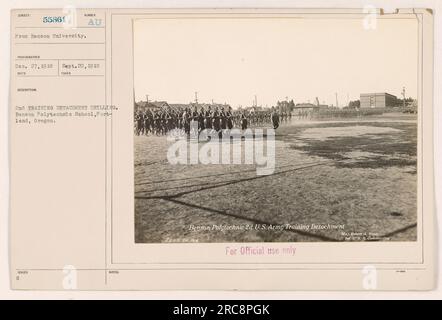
(217, 118)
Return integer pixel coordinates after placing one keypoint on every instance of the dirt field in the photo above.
(344, 180)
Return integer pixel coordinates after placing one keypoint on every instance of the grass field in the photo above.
(346, 180)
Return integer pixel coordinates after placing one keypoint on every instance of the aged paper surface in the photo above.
(266, 149)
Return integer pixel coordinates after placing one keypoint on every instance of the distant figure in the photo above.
(186, 120)
(275, 119)
(216, 121)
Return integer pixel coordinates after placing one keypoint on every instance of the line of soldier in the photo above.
(217, 118)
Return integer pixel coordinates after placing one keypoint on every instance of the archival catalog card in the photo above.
(265, 149)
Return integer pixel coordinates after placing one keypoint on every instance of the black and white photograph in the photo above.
(275, 130)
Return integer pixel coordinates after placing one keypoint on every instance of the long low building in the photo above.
(378, 100)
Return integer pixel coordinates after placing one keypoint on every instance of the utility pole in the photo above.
(256, 100)
(403, 95)
(336, 95)
(196, 97)
(147, 99)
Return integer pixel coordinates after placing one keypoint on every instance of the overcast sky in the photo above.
(231, 60)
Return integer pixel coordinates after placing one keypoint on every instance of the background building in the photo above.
(378, 100)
